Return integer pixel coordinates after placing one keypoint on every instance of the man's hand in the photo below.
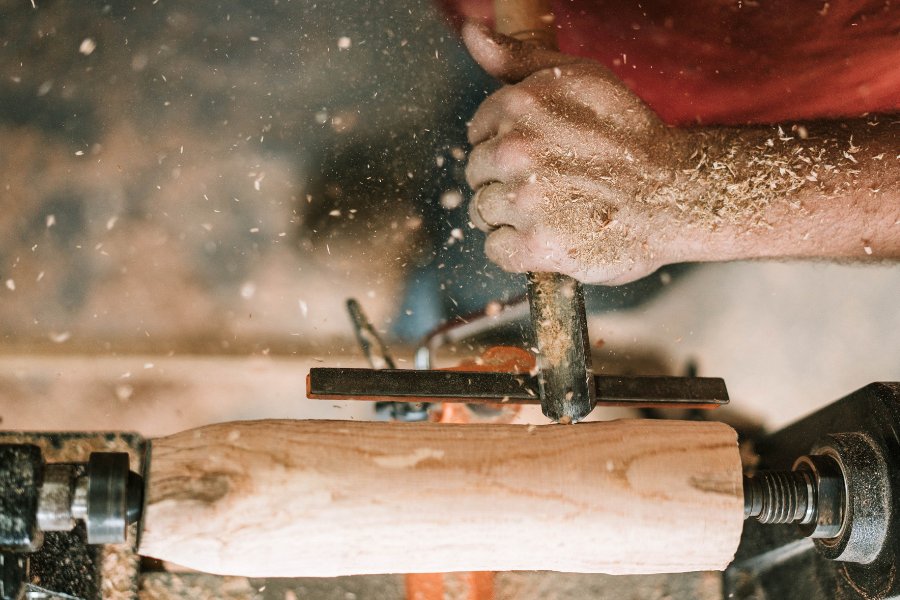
(574, 174)
(558, 158)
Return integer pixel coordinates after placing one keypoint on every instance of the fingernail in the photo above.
(479, 25)
(487, 31)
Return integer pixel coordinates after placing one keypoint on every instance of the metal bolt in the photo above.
(79, 499)
(55, 501)
(108, 498)
(778, 497)
(812, 496)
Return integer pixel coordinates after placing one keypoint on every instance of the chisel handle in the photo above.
(557, 301)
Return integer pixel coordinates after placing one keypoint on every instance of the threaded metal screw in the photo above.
(780, 497)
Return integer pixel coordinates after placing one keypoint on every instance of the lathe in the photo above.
(820, 502)
(807, 511)
(804, 512)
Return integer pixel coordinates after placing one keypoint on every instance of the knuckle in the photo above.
(504, 248)
(473, 130)
(564, 69)
(517, 99)
(545, 249)
(515, 151)
(528, 197)
(470, 173)
(477, 163)
(483, 112)
(551, 76)
(494, 247)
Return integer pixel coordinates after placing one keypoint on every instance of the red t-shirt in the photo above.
(738, 61)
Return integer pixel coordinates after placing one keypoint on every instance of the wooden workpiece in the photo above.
(327, 498)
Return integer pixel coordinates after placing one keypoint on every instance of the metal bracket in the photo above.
(65, 565)
(862, 433)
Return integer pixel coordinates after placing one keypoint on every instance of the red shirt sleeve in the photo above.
(737, 61)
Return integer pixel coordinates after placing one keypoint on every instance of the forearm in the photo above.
(825, 190)
(574, 174)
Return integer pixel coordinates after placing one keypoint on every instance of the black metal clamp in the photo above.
(825, 525)
(99, 498)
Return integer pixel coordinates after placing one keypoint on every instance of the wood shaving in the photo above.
(585, 224)
(729, 181)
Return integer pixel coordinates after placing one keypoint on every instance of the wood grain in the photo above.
(325, 498)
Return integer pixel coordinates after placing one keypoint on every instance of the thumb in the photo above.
(506, 58)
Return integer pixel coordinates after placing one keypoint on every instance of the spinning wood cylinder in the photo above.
(327, 498)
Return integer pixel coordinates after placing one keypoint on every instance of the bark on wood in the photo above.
(326, 498)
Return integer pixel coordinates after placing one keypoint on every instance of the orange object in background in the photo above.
(450, 586)
(502, 359)
(471, 585)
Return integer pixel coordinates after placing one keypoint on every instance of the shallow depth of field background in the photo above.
(190, 191)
